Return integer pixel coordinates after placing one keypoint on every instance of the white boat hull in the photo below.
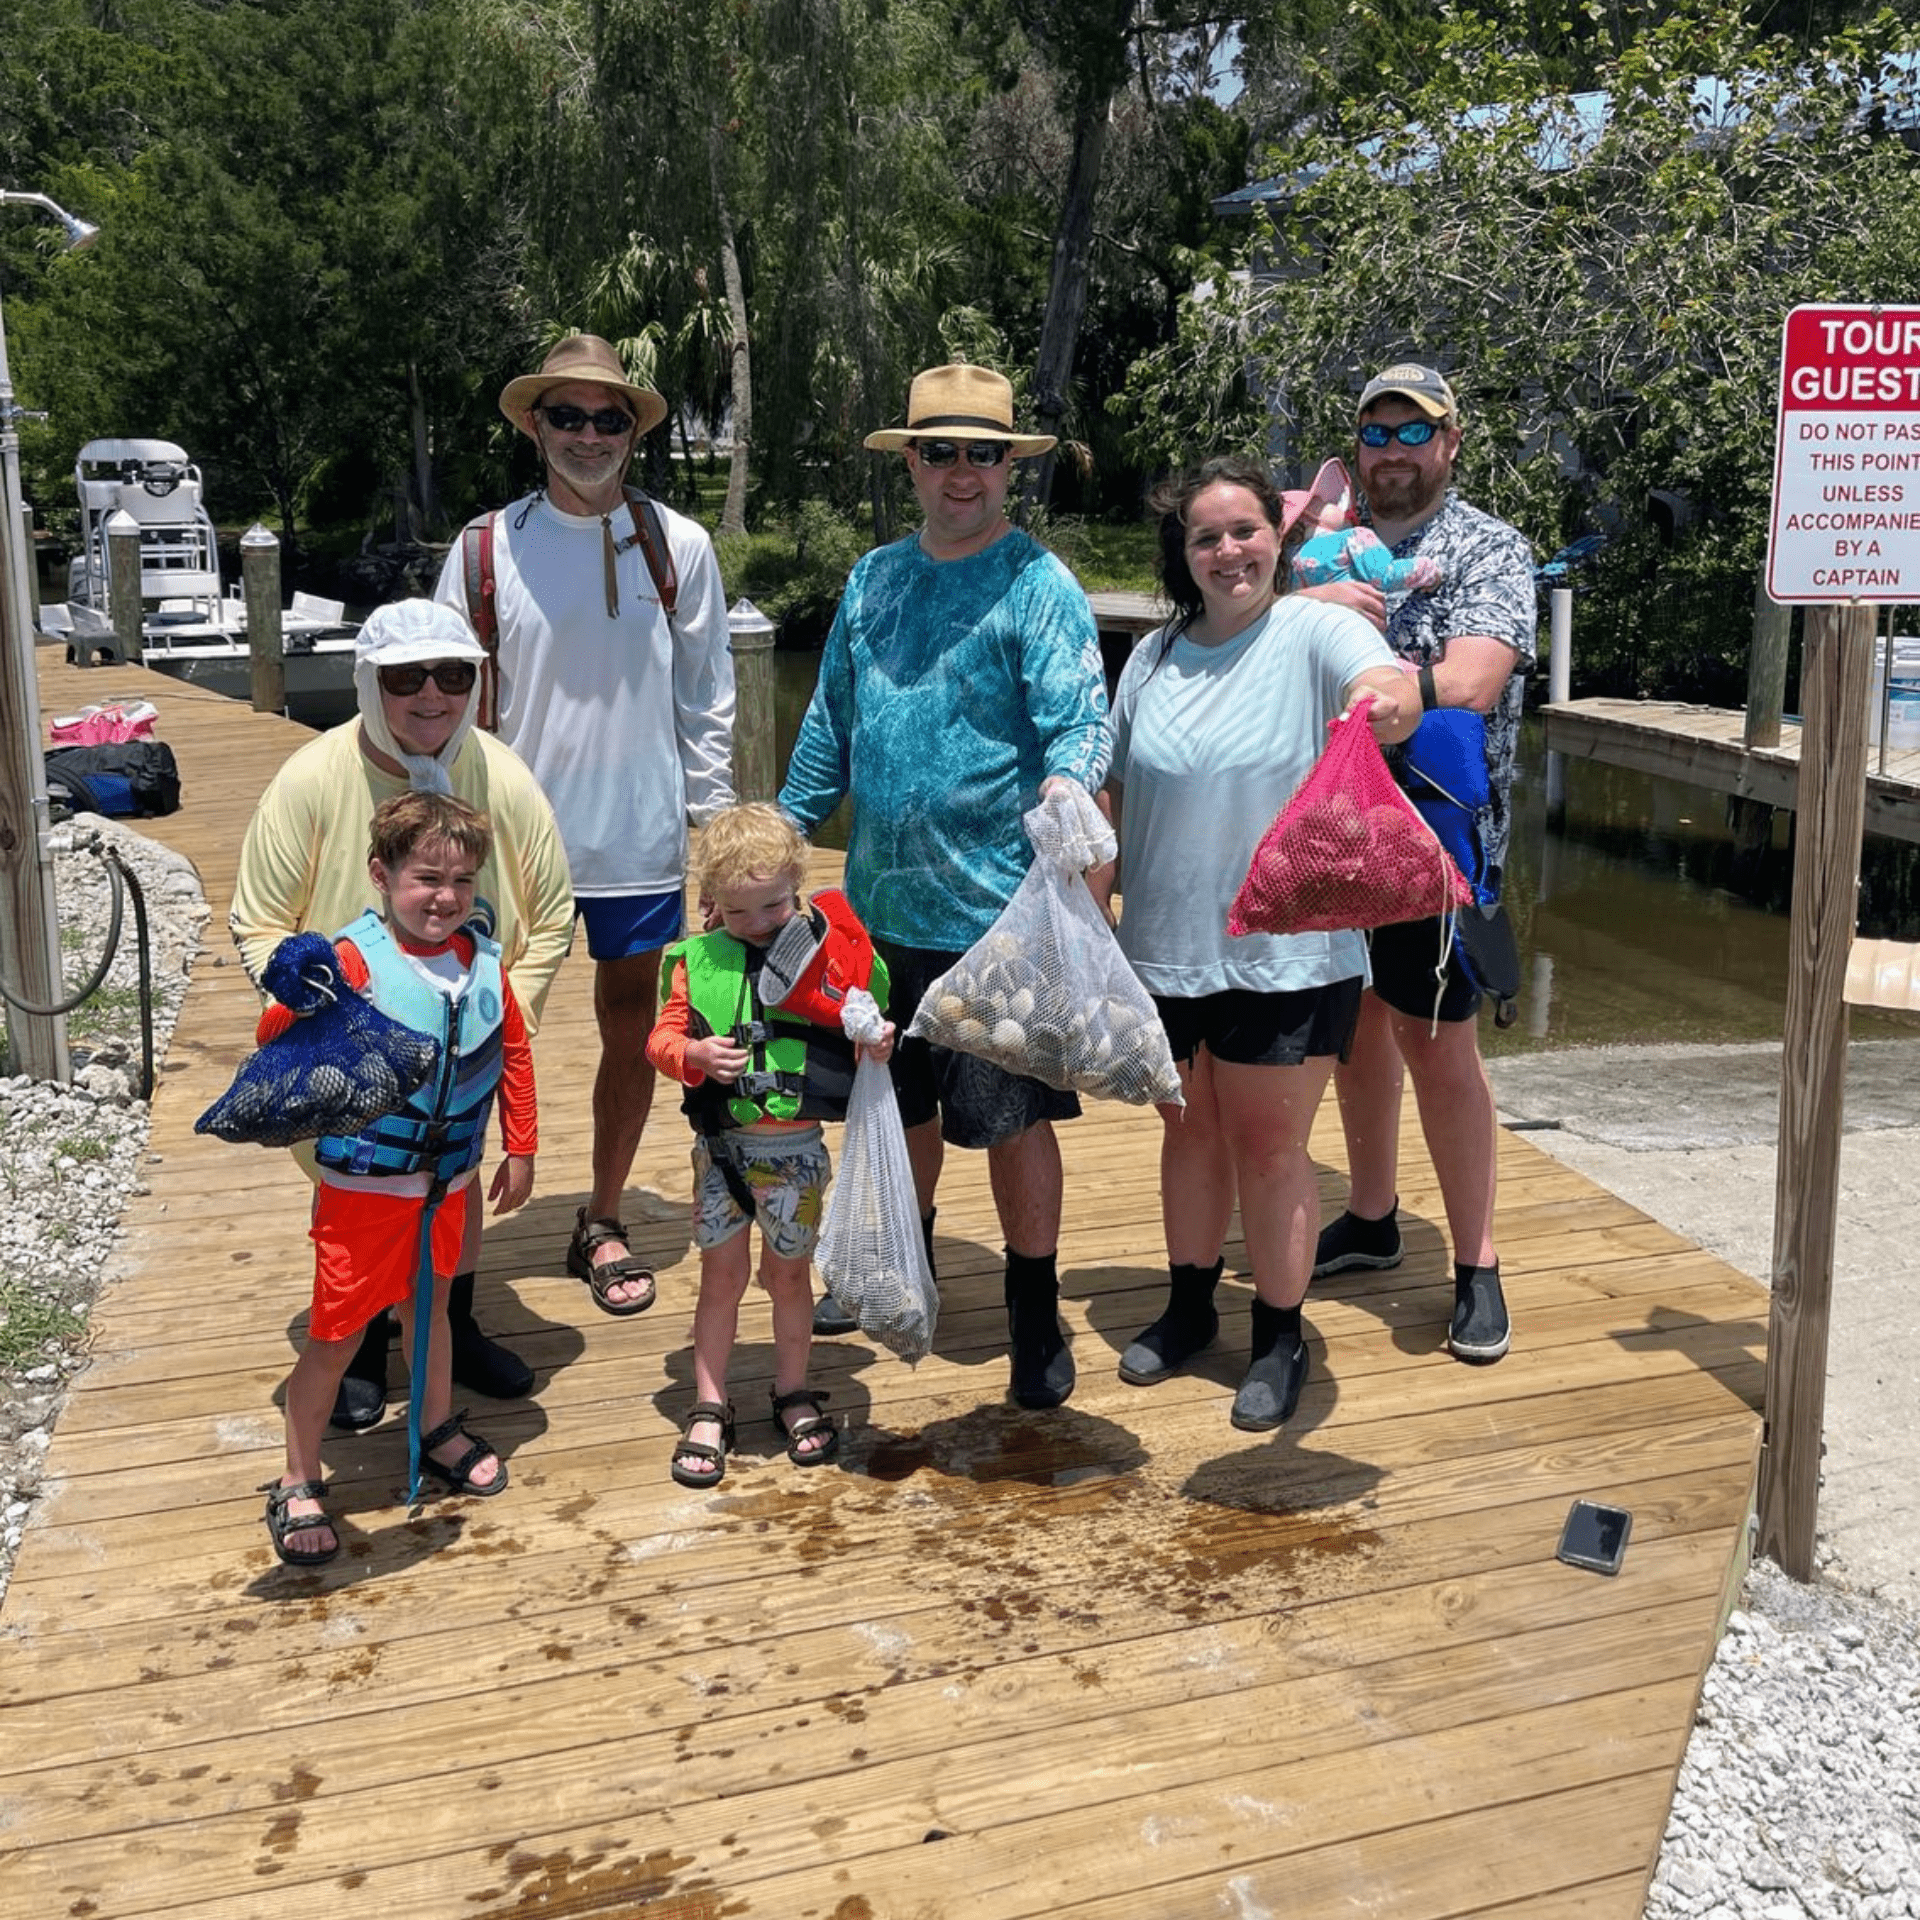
(316, 653)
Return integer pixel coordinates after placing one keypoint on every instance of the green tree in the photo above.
(295, 273)
(1609, 297)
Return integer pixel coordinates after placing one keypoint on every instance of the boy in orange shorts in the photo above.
(408, 1175)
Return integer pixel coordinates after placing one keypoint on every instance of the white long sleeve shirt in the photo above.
(626, 720)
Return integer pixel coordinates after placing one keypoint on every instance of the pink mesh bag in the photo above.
(1348, 850)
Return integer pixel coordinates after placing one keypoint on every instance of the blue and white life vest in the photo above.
(442, 1128)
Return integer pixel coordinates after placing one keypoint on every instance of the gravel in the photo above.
(1799, 1798)
(70, 1155)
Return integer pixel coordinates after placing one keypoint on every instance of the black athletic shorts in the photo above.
(978, 1104)
(1408, 972)
(1249, 1029)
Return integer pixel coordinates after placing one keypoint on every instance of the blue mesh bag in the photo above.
(342, 1064)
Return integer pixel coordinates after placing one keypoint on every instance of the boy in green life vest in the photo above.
(751, 1029)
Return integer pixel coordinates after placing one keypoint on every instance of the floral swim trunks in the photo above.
(783, 1173)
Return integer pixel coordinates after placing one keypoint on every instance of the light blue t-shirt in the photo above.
(948, 691)
(1209, 744)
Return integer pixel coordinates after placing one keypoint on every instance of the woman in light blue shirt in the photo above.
(1217, 719)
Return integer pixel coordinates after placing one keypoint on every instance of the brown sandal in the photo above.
(459, 1475)
(281, 1523)
(590, 1235)
(809, 1423)
(715, 1457)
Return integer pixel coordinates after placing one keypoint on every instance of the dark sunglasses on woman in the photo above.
(450, 676)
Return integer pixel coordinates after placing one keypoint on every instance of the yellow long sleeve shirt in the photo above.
(303, 863)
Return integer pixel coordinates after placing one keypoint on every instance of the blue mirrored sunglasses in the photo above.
(1410, 433)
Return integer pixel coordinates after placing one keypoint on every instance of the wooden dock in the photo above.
(1705, 747)
(1116, 1662)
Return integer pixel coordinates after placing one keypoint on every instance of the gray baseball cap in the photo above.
(1422, 386)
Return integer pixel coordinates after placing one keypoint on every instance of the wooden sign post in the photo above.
(1845, 538)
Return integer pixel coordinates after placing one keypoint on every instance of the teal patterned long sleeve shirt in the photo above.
(948, 691)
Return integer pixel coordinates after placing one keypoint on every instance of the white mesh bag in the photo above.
(871, 1253)
(1046, 991)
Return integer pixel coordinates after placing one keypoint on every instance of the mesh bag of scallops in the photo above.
(1046, 991)
(871, 1251)
(1348, 850)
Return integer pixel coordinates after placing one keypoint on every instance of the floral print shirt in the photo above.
(1486, 588)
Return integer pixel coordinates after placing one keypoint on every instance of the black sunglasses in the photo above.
(980, 453)
(450, 676)
(1410, 433)
(610, 422)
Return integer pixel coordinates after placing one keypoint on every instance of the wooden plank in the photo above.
(1128, 1660)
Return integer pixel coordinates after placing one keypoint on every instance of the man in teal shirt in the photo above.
(961, 680)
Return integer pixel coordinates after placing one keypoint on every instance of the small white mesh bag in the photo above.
(1046, 991)
(871, 1253)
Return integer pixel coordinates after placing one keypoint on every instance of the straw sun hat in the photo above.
(580, 357)
(959, 403)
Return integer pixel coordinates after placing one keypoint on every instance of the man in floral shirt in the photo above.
(1472, 641)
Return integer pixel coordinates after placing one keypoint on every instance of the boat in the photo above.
(191, 626)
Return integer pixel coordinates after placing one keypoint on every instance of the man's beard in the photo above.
(1407, 493)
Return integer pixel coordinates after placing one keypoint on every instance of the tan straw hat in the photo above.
(959, 403)
(580, 357)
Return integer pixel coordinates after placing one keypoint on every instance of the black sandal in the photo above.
(280, 1523)
(806, 1426)
(459, 1476)
(590, 1235)
(716, 1457)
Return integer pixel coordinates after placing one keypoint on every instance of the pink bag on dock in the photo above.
(104, 726)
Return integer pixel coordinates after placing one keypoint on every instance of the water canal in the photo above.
(1637, 922)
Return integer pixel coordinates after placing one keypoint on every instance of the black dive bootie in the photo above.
(1042, 1366)
(479, 1364)
(1271, 1390)
(1189, 1323)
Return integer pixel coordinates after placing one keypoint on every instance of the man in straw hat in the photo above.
(961, 680)
(616, 688)
(303, 864)
(1471, 640)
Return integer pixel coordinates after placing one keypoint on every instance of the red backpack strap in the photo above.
(476, 554)
(652, 533)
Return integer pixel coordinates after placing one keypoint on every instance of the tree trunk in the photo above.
(733, 516)
(427, 507)
(1067, 287)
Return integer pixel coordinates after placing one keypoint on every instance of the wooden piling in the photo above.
(123, 587)
(1837, 668)
(260, 578)
(755, 776)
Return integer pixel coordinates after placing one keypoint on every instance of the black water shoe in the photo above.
(1480, 1332)
(1353, 1242)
